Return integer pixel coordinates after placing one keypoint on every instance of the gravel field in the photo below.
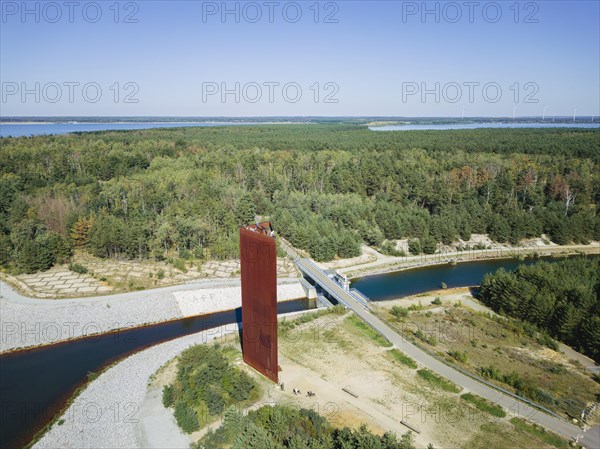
(26, 322)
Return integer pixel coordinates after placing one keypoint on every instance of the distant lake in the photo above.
(441, 126)
(37, 129)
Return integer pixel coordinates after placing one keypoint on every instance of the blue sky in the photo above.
(354, 58)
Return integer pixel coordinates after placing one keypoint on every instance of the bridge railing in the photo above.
(324, 287)
(359, 295)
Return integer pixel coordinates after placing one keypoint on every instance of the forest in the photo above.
(181, 193)
(285, 427)
(561, 298)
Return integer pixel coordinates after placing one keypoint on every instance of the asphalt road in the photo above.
(515, 407)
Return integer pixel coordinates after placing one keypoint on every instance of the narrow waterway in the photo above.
(398, 284)
(35, 384)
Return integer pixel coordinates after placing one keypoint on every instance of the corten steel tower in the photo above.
(259, 298)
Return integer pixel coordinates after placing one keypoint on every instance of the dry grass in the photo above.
(473, 340)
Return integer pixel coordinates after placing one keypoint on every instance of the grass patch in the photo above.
(366, 330)
(484, 405)
(539, 433)
(437, 381)
(403, 358)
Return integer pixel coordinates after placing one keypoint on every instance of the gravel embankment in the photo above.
(208, 300)
(26, 322)
(107, 413)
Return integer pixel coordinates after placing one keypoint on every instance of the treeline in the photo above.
(562, 298)
(283, 427)
(182, 193)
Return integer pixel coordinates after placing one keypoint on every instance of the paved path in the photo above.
(517, 408)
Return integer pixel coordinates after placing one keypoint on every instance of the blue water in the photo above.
(440, 126)
(37, 129)
(398, 284)
(35, 384)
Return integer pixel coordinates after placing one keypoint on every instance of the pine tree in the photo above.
(80, 231)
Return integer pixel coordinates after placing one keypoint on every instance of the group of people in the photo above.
(296, 391)
(310, 394)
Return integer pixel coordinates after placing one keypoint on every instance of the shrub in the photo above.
(459, 356)
(389, 249)
(414, 246)
(77, 268)
(428, 245)
(179, 264)
(430, 339)
(399, 312)
(437, 301)
(168, 396)
(160, 274)
(206, 384)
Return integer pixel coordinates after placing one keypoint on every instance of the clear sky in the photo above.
(344, 58)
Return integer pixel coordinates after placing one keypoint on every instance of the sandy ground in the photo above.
(326, 356)
(323, 356)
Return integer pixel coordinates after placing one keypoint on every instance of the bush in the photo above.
(399, 312)
(430, 339)
(78, 268)
(437, 301)
(168, 396)
(429, 245)
(287, 427)
(459, 356)
(160, 274)
(179, 264)
(414, 246)
(389, 249)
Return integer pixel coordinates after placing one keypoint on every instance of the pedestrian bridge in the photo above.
(329, 286)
